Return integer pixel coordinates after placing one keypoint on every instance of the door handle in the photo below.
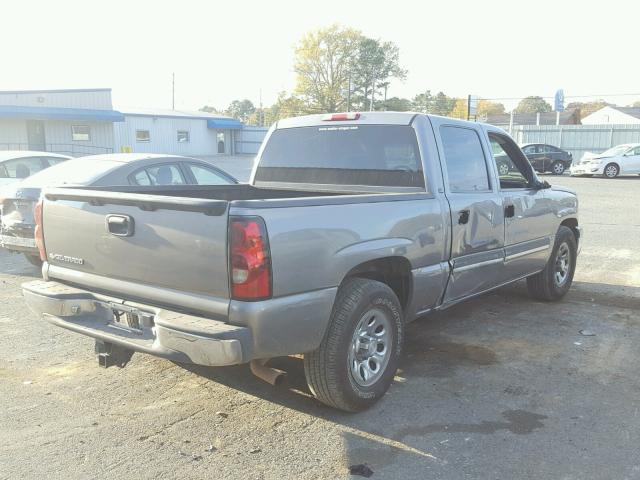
(463, 217)
(120, 225)
(509, 211)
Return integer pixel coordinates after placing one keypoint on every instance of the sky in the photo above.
(221, 51)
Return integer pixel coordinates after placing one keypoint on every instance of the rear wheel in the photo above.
(557, 168)
(554, 281)
(33, 260)
(358, 357)
(503, 169)
(611, 170)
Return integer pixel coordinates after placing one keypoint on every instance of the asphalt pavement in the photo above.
(501, 387)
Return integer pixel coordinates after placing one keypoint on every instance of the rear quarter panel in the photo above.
(314, 247)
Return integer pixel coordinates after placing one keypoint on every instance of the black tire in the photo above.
(328, 370)
(33, 260)
(612, 170)
(545, 285)
(557, 168)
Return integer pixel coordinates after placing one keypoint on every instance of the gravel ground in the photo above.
(499, 387)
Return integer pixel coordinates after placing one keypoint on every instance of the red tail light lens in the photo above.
(38, 233)
(249, 259)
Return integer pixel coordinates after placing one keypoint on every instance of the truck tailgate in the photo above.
(174, 243)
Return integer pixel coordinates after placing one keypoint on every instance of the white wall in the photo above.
(91, 99)
(58, 138)
(13, 134)
(608, 115)
(164, 136)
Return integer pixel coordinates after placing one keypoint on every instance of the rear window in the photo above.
(79, 171)
(369, 155)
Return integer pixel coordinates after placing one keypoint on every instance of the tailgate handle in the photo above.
(120, 225)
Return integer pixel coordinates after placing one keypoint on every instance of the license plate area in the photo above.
(130, 319)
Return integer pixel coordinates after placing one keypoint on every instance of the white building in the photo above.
(177, 132)
(613, 115)
(73, 122)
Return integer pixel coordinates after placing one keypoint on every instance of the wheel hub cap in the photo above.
(563, 264)
(370, 347)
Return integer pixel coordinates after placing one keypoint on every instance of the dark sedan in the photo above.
(547, 158)
(17, 201)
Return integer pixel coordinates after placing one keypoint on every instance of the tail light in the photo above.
(38, 233)
(249, 259)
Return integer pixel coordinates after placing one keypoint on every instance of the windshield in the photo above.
(612, 152)
(79, 171)
(371, 155)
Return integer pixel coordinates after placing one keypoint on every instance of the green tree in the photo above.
(533, 104)
(210, 109)
(587, 108)
(395, 104)
(323, 61)
(241, 109)
(460, 109)
(375, 64)
(439, 104)
(487, 107)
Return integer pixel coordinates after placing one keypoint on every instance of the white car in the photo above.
(16, 165)
(620, 160)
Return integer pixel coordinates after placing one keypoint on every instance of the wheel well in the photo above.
(572, 223)
(392, 271)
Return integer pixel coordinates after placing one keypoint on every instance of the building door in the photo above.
(477, 219)
(35, 135)
(221, 142)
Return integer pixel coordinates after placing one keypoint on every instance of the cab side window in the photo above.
(510, 171)
(464, 159)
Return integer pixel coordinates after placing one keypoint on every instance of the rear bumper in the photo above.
(172, 335)
(275, 327)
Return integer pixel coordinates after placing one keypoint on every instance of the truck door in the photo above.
(529, 218)
(477, 218)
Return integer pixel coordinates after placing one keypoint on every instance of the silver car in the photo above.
(17, 201)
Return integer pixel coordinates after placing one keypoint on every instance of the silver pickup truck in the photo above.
(351, 226)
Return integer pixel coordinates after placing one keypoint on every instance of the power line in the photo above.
(572, 96)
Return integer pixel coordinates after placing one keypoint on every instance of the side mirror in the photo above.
(541, 185)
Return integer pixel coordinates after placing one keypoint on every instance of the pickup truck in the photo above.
(351, 226)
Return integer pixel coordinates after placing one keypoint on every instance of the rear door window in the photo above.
(165, 174)
(207, 176)
(22, 167)
(465, 161)
(368, 155)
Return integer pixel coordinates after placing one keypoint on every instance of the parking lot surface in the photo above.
(501, 387)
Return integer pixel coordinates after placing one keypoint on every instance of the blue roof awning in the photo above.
(57, 113)
(224, 123)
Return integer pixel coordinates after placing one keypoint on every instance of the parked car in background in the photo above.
(17, 201)
(547, 158)
(352, 226)
(620, 160)
(16, 165)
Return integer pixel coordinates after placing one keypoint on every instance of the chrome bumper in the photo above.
(163, 333)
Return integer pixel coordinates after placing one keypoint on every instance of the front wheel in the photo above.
(554, 281)
(611, 170)
(557, 168)
(358, 357)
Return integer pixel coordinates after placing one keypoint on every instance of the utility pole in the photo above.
(261, 116)
(349, 94)
(373, 89)
(173, 91)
